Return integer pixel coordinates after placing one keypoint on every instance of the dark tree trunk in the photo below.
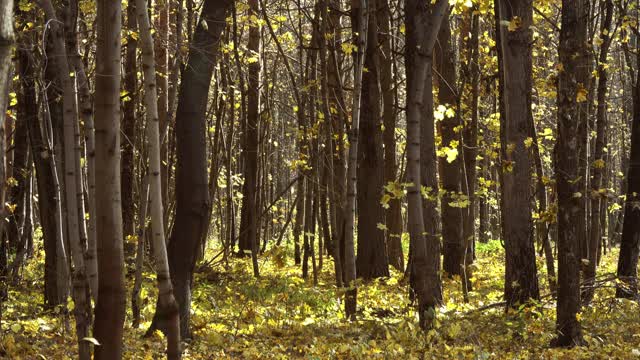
(372, 261)
(630, 241)
(127, 173)
(387, 84)
(598, 165)
(422, 23)
(521, 282)
(571, 140)
(192, 199)
(110, 308)
(452, 217)
(249, 222)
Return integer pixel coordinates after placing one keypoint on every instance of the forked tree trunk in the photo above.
(422, 24)
(572, 110)
(110, 308)
(167, 311)
(67, 78)
(521, 282)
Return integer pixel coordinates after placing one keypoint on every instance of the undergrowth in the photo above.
(282, 316)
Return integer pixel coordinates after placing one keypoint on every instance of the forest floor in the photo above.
(282, 316)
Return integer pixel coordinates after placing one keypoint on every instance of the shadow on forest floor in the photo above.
(282, 316)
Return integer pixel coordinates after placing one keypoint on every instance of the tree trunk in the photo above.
(598, 165)
(422, 24)
(191, 176)
(359, 20)
(572, 109)
(110, 308)
(387, 83)
(521, 281)
(7, 42)
(630, 241)
(129, 126)
(249, 223)
(167, 310)
(452, 219)
(67, 77)
(372, 261)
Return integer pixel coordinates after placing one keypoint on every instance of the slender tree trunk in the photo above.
(572, 82)
(249, 224)
(521, 281)
(359, 16)
(598, 165)
(140, 250)
(110, 309)
(7, 42)
(167, 310)
(630, 241)
(452, 217)
(129, 125)
(387, 82)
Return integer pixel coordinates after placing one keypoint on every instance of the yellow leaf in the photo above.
(515, 23)
(581, 94)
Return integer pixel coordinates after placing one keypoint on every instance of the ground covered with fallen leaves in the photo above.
(282, 316)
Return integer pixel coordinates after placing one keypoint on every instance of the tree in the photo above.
(372, 260)
(7, 42)
(630, 241)
(249, 239)
(167, 306)
(359, 19)
(110, 308)
(521, 282)
(572, 87)
(192, 194)
(454, 248)
(74, 218)
(422, 25)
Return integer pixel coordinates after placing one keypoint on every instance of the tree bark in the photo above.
(7, 43)
(110, 308)
(572, 109)
(387, 83)
(129, 126)
(249, 222)
(521, 282)
(372, 261)
(422, 25)
(359, 17)
(67, 77)
(452, 217)
(630, 241)
(167, 310)
(191, 175)
(598, 165)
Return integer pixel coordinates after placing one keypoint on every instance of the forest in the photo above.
(319, 179)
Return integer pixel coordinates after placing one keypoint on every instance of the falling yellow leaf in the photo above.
(581, 94)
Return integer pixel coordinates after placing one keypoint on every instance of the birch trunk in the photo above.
(167, 306)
